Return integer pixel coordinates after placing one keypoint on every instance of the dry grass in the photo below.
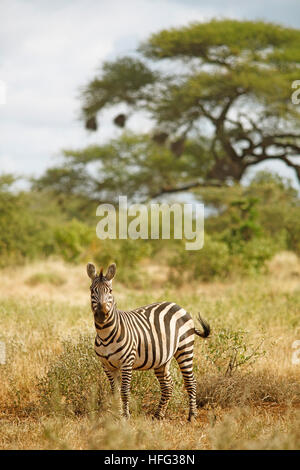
(257, 407)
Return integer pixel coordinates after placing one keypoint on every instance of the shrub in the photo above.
(228, 350)
(72, 240)
(254, 254)
(126, 253)
(18, 236)
(75, 382)
(206, 264)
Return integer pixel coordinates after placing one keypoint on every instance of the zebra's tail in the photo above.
(205, 326)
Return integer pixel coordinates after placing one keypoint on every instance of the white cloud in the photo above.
(2, 92)
(7, 164)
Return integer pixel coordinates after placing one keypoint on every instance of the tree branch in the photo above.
(195, 184)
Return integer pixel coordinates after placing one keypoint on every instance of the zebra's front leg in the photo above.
(126, 374)
(113, 377)
(166, 385)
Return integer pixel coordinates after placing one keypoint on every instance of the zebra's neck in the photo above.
(111, 328)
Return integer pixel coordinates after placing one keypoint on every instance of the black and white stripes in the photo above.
(145, 338)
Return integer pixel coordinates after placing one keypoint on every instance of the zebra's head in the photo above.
(102, 300)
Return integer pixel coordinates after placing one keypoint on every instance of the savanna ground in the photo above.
(53, 394)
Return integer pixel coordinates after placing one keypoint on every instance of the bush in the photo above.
(254, 254)
(125, 253)
(228, 351)
(72, 240)
(75, 382)
(250, 225)
(217, 260)
(19, 229)
(209, 263)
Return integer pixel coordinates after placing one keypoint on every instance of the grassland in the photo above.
(53, 394)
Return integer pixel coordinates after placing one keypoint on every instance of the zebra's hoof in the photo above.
(191, 418)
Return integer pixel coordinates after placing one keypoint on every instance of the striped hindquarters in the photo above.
(160, 329)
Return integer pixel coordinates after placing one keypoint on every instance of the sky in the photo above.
(50, 49)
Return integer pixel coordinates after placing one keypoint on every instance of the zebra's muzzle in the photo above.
(100, 314)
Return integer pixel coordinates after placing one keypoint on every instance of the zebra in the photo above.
(144, 338)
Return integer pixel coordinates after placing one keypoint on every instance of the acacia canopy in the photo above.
(218, 95)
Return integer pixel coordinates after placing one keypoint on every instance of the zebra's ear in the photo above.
(111, 272)
(91, 270)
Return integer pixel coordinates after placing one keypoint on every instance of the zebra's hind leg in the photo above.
(166, 385)
(185, 362)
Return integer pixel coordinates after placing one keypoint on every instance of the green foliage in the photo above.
(122, 81)
(72, 239)
(6, 181)
(218, 260)
(133, 165)
(65, 179)
(243, 224)
(229, 350)
(206, 264)
(126, 253)
(207, 40)
(254, 222)
(253, 255)
(75, 381)
(248, 226)
(236, 241)
(279, 208)
(248, 244)
(23, 234)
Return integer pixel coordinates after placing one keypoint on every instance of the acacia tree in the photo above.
(219, 97)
